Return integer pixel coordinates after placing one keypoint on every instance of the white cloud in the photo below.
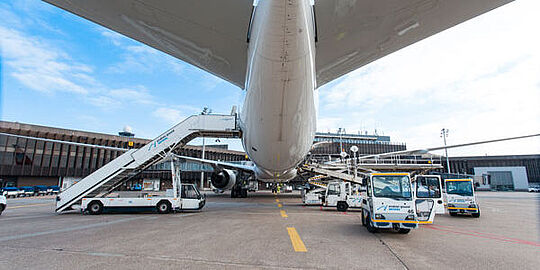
(40, 66)
(169, 115)
(479, 79)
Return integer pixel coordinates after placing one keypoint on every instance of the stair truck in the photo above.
(461, 198)
(343, 195)
(390, 203)
(181, 197)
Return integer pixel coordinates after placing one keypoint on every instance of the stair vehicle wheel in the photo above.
(476, 215)
(404, 231)
(369, 225)
(164, 207)
(342, 206)
(95, 208)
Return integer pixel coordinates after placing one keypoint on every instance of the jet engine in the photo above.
(224, 179)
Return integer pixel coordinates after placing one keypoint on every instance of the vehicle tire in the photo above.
(244, 193)
(2, 207)
(342, 206)
(369, 225)
(453, 214)
(233, 193)
(363, 219)
(95, 208)
(404, 231)
(476, 215)
(164, 207)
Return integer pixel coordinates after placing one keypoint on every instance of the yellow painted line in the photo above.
(283, 214)
(390, 174)
(27, 205)
(277, 200)
(296, 241)
(460, 208)
(279, 205)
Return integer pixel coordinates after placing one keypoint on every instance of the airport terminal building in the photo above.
(39, 155)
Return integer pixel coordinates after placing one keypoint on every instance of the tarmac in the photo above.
(266, 231)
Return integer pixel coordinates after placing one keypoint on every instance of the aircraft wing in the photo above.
(353, 33)
(214, 163)
(209, 34)
(426, 150)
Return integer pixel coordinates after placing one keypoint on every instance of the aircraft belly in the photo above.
(279, 113)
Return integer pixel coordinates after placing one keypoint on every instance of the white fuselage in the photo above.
(279, 115)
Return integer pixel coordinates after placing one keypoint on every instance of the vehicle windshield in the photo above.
(463, 188)
(392, 186)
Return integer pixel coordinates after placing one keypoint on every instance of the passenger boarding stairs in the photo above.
(113, 174)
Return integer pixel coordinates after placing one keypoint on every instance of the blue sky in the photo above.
(479, 79)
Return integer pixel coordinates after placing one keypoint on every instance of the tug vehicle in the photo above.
(461, 198)
(390, 203)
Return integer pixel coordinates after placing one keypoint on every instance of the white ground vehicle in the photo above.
(12, 192)
(390, 203)
(313, 197)
(343, 195)
(429, 187)
(181, 197)
(190, 199)
(461, 198)
(3, 203)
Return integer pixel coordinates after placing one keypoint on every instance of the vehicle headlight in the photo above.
(451, 205)
(379, 216)
(409, 217)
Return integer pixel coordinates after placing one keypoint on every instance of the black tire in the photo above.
(369, 225)
(363, 219)
(453, 214)
(342, 206)
(2, 207)
(95, 208)
(244, 193)
(404, 231)
(233, 193)
(163, 207)
(476, 215)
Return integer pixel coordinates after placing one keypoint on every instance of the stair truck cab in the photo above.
(461, 198)
(390, 204)
(3, 203)
(343, 195)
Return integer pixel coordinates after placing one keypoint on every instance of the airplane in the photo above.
(280, 52)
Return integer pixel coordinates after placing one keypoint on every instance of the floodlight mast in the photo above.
(444, 134)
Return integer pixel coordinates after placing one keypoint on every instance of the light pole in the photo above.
(444, 134)
(354, 149)
(205, 111)
(202, 165)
